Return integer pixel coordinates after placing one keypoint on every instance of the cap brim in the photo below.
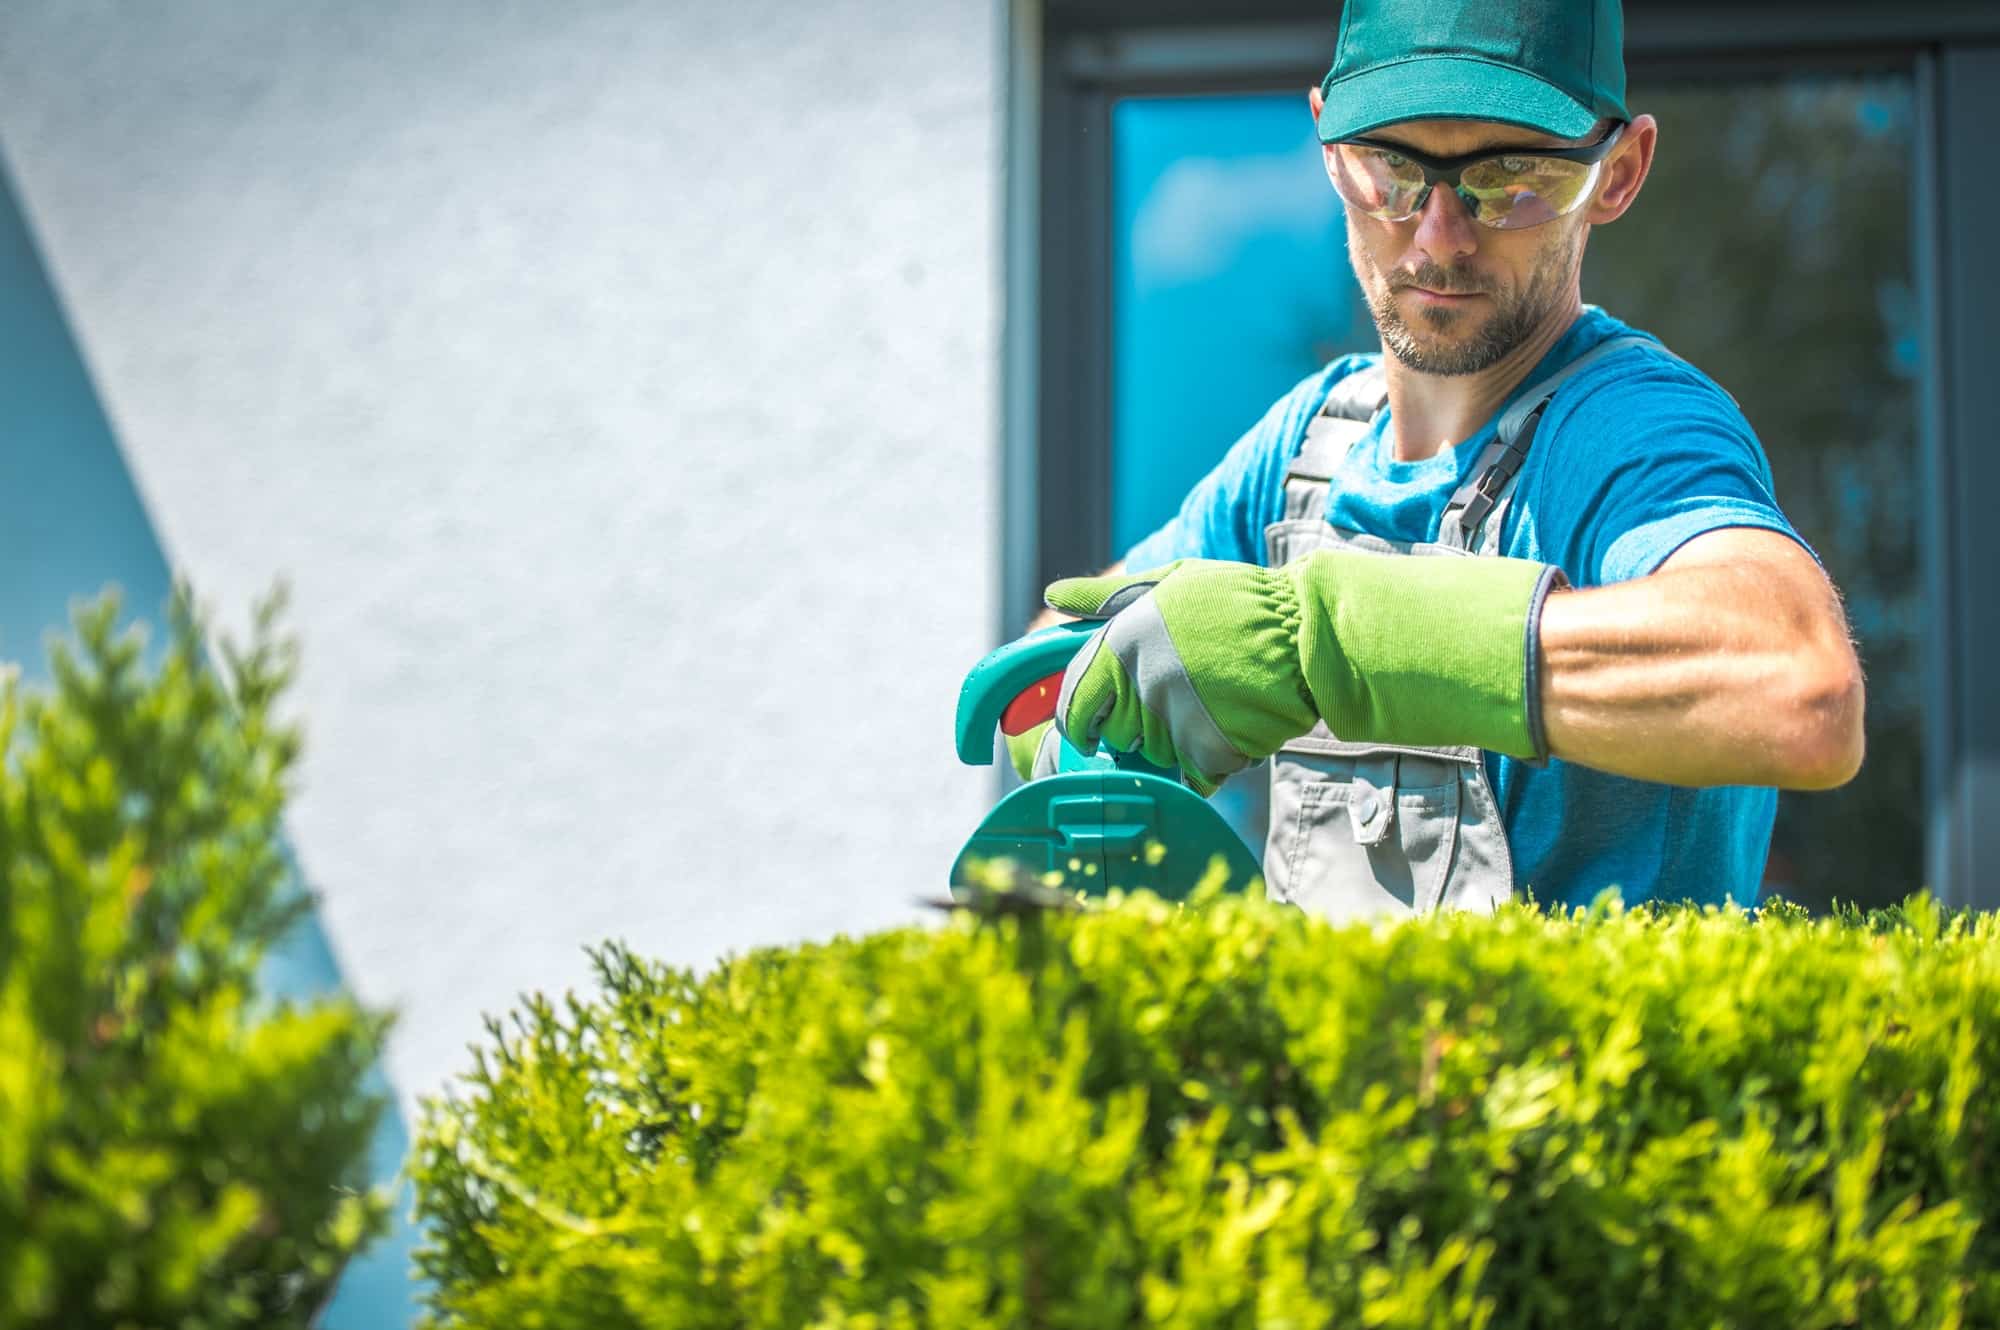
(1445, 87)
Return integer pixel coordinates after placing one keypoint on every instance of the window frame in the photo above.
(1066, 62)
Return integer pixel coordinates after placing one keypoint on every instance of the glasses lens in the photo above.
(1517, 191)
(1385, 185)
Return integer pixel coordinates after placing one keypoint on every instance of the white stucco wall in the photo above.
(614, 381)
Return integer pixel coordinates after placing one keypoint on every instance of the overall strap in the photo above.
(1493, 475)
(1334, 429)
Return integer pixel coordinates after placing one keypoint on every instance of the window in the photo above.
(1183, 283)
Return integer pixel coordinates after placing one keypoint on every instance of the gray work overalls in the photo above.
(1359, 830)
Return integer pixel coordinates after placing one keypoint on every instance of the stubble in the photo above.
(1437, 345)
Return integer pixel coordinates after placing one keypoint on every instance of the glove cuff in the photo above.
(1552, 579)
(1431, 652)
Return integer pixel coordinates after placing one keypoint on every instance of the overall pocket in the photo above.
(1363, 832)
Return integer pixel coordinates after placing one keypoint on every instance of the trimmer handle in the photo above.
(996, 681)
(1003, 675)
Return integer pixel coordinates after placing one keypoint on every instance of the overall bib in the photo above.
(1363, 830)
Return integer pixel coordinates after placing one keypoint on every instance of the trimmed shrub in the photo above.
(174, 1150)
(1237, 1116)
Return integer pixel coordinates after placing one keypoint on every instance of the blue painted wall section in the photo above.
(71, 523)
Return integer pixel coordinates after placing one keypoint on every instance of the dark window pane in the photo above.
(1771, 246)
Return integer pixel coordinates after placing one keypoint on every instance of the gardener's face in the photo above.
(1452, 296)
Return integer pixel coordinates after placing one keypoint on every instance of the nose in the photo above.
(1445, 229)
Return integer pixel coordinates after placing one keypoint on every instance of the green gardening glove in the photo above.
(1024, 750)
(1211, 666)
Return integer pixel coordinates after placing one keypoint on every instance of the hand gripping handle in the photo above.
(998, 679)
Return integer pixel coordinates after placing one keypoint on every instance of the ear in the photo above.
(1624, 172)
(1316, 101)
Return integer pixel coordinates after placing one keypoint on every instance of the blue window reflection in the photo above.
(1230, 283)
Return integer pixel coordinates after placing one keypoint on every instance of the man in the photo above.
(1641, 648)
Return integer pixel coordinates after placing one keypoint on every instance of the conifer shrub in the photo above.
(176, 1150)
(1232, 1115)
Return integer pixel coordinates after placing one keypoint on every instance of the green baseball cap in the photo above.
(1553, 65)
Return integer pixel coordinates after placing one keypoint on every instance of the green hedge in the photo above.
(174, 1150)
(1235, 1116)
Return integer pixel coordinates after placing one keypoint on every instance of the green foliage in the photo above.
(1237, 1116)
(175, 1150)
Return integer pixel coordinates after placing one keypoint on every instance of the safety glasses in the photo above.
(1506, 190)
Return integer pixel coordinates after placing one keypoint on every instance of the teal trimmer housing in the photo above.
(1104, 822)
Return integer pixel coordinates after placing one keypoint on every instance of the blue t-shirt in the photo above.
(1636, 455)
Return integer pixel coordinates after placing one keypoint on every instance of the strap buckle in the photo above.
(1480, 496)
(1489, 485)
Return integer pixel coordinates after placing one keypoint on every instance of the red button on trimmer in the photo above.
(1032, 705)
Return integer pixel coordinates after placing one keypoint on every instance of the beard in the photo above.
(1430, 347)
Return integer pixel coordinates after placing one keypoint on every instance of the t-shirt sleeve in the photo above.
(1650, 457)
(1224, 515)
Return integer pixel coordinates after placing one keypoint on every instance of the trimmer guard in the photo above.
(1093, 831)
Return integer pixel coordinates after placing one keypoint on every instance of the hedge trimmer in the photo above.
(1103, 822)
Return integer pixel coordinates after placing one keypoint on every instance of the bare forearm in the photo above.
(1709, 673)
